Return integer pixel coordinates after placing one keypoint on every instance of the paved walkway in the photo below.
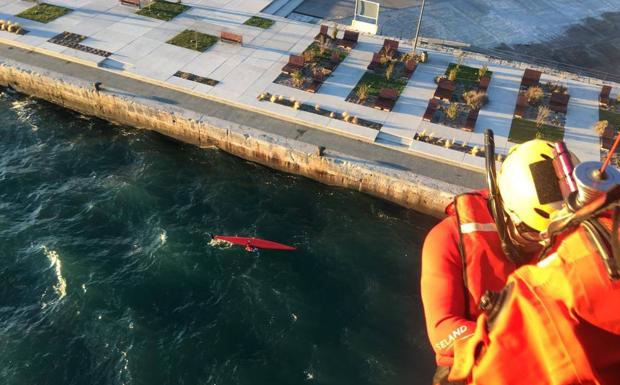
(139, 49)
(374, 154)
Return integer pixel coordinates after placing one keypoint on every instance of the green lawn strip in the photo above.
(467, 74)
(259, 22)
(163, 10)
(612, 117)
(44, 13)
(523, 130)
(377, 82)
(193, 40)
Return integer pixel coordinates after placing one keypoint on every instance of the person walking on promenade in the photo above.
(463, 257)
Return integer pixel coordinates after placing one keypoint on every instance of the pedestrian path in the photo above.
(138, 49)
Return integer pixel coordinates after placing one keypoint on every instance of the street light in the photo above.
(417, 31)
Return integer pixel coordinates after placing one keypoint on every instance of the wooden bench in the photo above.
(521, 105)
(608, 137)
(444, 90)
(559, 102)
(317, 81)
(230, 37)
(484, 83)
(349, 40)
(390, 48)
(530, 78)
(470, 123)
(603, 98)
(135, 3)
(431, 108)
(386, 100)
(295, 63)
(410, 66)
(376, 61)
(323, 32)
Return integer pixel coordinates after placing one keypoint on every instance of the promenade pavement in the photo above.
(139, 50)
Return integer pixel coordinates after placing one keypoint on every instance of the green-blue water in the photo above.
(108, 276)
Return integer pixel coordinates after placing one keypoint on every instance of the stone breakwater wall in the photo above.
(404, 188)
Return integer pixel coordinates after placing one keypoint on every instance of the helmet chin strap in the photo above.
(510, 249)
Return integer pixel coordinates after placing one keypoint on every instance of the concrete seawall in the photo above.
(417, 192)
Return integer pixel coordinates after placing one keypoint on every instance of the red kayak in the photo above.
(255, 243)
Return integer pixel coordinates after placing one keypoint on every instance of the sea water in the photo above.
(108, 274)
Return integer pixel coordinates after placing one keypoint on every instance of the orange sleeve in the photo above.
(442, 290)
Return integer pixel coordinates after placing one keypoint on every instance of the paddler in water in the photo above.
(463, 256)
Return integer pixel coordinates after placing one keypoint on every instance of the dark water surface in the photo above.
(108, 275)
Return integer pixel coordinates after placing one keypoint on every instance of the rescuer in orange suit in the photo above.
(557, 322)
(462, 256)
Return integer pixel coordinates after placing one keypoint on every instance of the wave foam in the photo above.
(61, 286)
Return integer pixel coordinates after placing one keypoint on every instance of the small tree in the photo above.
(452, 74)
(452, 111)
(323, 44)
(541, 116)
(335, 31)
(389, 71)
(601, 126)
(362, 92)
(298, 79)
(534, 95)
(483, 71)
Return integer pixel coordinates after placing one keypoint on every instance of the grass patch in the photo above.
(467, 74)
(44, 13)
(612, 117)
(259, 22)
(163, 10)
(376, 82)
(193, 40)
(523, 130)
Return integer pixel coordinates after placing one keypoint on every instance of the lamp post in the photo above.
(417, 31)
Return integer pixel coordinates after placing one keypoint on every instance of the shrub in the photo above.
(534, 95)
(362, 92)
(475, 99)
(483, 71)
(452, 111)
(452, 74)
(383, 59)
(389, 71)
(298, 79)
(600, 127)
(309, 55)
(541, 116)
